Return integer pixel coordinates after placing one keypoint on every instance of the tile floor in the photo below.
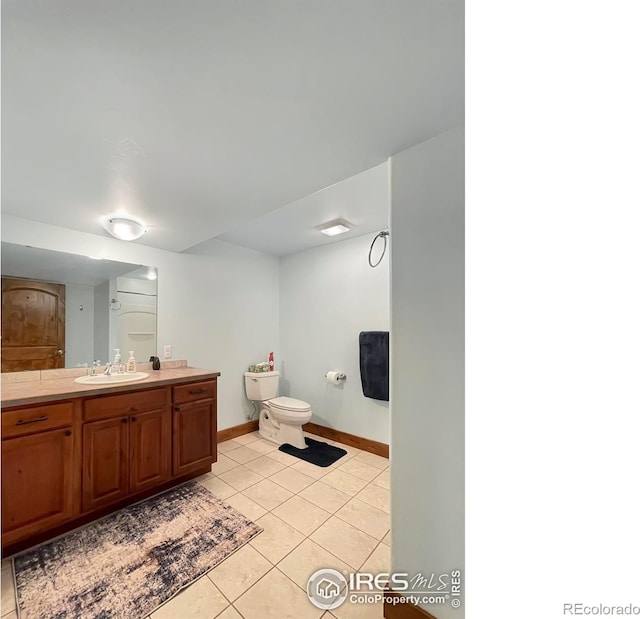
(312, 517)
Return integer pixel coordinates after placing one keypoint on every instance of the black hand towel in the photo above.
(374, 364)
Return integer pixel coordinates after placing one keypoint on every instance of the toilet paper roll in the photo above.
(332, 377)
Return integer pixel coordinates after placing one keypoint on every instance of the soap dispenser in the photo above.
(131, 362)
(117, 358)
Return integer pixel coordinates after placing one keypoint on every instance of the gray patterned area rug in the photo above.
(132, 561)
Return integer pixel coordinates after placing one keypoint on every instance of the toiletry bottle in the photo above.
(117, 358)
(131, 362)
(271, 362)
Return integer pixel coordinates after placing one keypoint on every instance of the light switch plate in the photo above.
(167, 352)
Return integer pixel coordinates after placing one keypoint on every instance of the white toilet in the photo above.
(281, 419)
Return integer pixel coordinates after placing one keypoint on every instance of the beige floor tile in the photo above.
(276, 597)
(223, 465)
(365, 517)
(376, 496)
(201, 600)
(243, 454)
(387, 539)
(263, 446)
(6, 563)
(349, 610)
(373, 460)
(308, 558)
(302, 515)
(277, 540)
(230, 613)
(203, 477)
(329, 498)
(218, 487)
(310, 469)
(267, 494)
(8, 602)
(344, 541)
(246, 506)
(384, 479)
(245, 439)
(283, 458)
(292, 480)
(344, 482)
(227, 446)
(11, 615)
(379, 560)
(359, 469)
(239, 571)
(265, 466)
(241, 477)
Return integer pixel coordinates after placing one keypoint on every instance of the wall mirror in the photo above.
(63, 310)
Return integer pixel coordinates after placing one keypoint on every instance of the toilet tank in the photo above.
(261, 386)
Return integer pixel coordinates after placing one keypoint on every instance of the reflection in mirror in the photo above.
(64, 310)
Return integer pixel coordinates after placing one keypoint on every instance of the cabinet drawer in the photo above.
(36, 419)
(194, 391)
(109, 406)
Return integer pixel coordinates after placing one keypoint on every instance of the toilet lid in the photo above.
(290, 404)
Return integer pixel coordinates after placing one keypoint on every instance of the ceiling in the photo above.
(362, 200)
(54, 266)
(203, 116)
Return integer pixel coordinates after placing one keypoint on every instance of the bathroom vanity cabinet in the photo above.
(67, 462)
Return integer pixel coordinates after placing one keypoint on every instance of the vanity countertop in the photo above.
(38, 392)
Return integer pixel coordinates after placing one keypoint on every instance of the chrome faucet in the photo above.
(92, 372)
(108, 368)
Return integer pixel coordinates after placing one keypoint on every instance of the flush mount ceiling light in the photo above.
(337, 226)
(152, 274)
(124, 228)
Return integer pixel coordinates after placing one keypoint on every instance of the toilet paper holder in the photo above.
(340, 376)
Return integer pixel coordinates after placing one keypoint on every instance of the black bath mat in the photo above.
(318, 453)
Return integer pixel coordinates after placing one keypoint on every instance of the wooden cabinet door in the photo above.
(33, 325)
(150, 449)
(37, 490)
(194, 436)
(105, 462)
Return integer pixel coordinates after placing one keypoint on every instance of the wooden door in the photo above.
(37, 490)
(150, 453)
(105, 462)
(33, 325)
(194, 436)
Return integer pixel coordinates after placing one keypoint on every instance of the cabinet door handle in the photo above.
(177, 408)
(67, 433)
(196, 391)
(22, 422)
(124, 420)
(134, 419)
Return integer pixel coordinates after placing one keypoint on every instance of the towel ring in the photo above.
(383, 234)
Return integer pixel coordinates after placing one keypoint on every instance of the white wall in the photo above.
(427, 352)
(218, 309)
(79, 336)
(327, 296)
(238, 320)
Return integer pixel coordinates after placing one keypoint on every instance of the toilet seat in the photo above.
(290, 405)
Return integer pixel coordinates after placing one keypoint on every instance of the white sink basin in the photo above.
(111, 379)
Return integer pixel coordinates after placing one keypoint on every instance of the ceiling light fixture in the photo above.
(152, 274)
(124, 228)
(337, 226)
